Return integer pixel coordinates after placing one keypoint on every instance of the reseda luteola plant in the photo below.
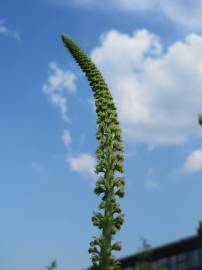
(109, 168)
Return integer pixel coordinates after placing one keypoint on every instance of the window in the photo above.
(181, 265)
(182, 262)
(200, 256)
(194, 258)
(154, 265)
(173, 262)
(189, 260)
(162, 264)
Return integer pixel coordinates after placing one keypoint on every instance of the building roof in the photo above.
(169, 249)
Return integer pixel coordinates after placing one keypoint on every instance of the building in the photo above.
(184, 254)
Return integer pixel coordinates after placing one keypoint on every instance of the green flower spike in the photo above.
(110, 184)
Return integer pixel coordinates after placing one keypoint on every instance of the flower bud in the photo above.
(116, 246)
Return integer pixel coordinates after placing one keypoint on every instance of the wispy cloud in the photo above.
(4, 30)
(59, 84)
(66, 137)
(3, 27)
(84, 164)
(157, 92)
(193, 162)
(36, 167)
(152, 184)
(185, 13)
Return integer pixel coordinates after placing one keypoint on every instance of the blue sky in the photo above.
(150, 54)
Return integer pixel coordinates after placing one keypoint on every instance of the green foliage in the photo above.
(200, 119)
(52, 266)
(199, 229)
(144, 258)
(110, 184)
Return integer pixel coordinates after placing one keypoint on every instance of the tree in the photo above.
(200, 119)
(199, 229)
(52, 266)
(109, 153)
(144, 258)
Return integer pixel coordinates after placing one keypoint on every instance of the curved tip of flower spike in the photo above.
(64, 37)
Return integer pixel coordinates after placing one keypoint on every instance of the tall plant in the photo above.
(110, 182)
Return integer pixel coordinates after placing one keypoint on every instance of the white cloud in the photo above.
(186, 13)
(84, 164)
(66, 137)
(193, 162)
(3, 27)
(60, 82)
(4, 30)
(157, 92)
(17, 35)
(152, 184)
(36, 167)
